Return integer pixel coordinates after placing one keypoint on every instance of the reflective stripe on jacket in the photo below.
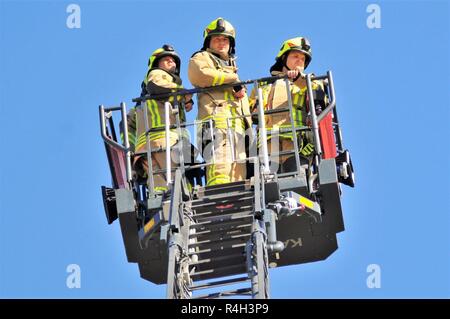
(155, 114)
(275, 97)
(205, 70)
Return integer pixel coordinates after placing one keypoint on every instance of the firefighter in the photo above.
(292, 59)
(163, 76)
(214, 65)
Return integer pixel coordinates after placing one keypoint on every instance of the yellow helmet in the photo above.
(219, 26)
(166, 50)
(298, 44)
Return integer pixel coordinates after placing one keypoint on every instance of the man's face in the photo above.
(220, 43)
(167, 63)
(296, 59)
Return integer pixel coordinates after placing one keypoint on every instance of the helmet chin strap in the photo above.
(217, 53)
(173, 70)
(284, 60)
(299, 74)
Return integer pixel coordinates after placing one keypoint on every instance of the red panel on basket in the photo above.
(327, 136)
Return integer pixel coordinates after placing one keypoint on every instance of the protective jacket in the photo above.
(208, 69)
(157, 81)
(275, 97)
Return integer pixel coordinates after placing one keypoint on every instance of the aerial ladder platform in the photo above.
(220, 241)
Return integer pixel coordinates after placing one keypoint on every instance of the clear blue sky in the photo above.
(392, 86)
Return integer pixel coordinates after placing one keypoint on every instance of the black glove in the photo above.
(237, 88)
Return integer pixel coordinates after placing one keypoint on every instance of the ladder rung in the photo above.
(210, 250)
(219, 269)
(228, 185)
(215, 199)
(225, 190)
(220, 283)
(222, 226)
(216, 215)
(200, 214)
(209, 231)
(229, 293)
(221, 192)
(223, 218)
(224, 235)
(212, 265)
(215, 259)
(234, 209)
(220, 240)
(212, 207)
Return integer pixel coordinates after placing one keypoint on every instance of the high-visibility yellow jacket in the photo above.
(205, 70)
(275, 97)
(160, 82)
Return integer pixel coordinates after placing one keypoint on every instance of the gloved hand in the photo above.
(240, 93)
(318, 109)
(307, 149)
(188, 105)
